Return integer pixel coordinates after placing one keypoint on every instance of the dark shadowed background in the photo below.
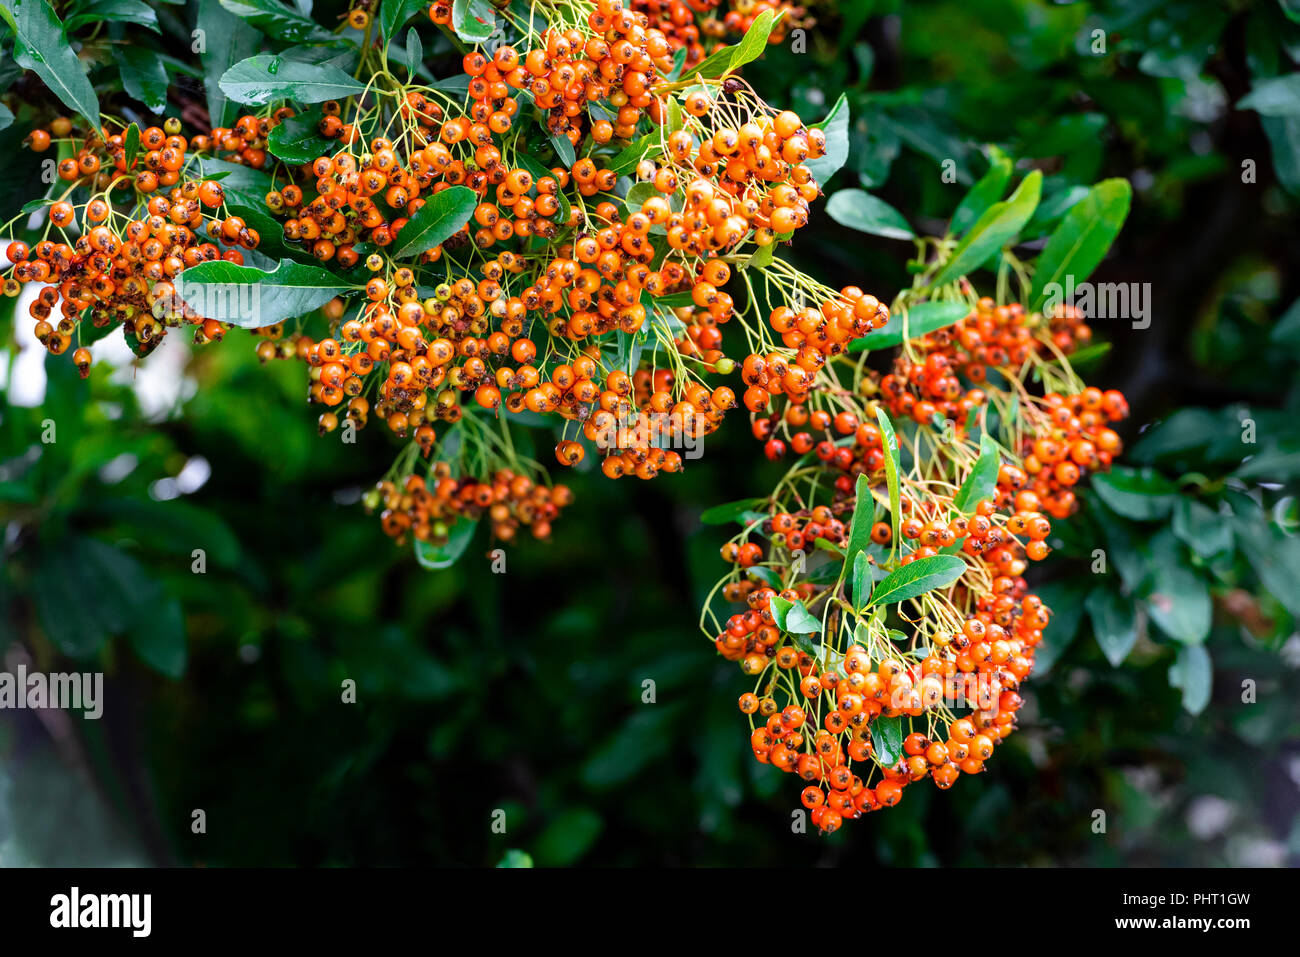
(523, 692)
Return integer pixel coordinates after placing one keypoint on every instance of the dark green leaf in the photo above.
(1114, 622)
(887, 739)
(862, 580)
(143, 76)
(982, 195)
(889, 441)
(730, 512)
(1081, 241)
(279, 22)
(836, 128)
(298, 140)
(1142, 494)
(40, 46)
(440, 218)
(394, 13)
(983, 479)
(227, 39)
(998, 226)
(159, 638)
(860, 210)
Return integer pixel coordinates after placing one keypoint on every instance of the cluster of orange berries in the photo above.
(812, 335)
(119, 268)
(991, 337)
(979, 666)
(681, 23)
(823, 719)
(427, 509)
(1076, 439)
(617, 62)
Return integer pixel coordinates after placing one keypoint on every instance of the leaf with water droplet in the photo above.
(41, 46)
(261, 79)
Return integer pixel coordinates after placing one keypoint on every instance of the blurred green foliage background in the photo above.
(523, 692)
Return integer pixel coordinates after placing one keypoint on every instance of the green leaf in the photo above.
(252, 298)
(634, 153)
(435, 557)
(920, 320)
(414, 51)
(1179, 601)
(836, 128)
(298, 140)
(394, 13)
(862, 580)
(41, 46)
(730, 512)
(1114, 622)
(889, 441)
(227, 40)
(754, 42)
(159, 638)
(794, 617)
(859, 210)
(473, 20)
(714, 65)
(1275, 557)
(998, 226)
(918, 577)
(564, 149)
(1279, 96)
(864, 516)
(1141, 494)
(1193, 674)
(887, 739)
(982, 195)
(6, 117)
(68, 584)
(1200, 528)
(116, 11)
(279, 22)
(143, 76)
(1283, 134)
(1082, 239)
(440, 218)
(262, 79)
(131, 144)
(983, 479)
(766, 575)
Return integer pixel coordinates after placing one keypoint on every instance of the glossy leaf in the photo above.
(1081, 241)
(999, 225)
(440, 218)
(435, 557)
(859, 210)
(920, 320)
(251, 298)
(918, 577)
(264, 78)
(41, 46)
